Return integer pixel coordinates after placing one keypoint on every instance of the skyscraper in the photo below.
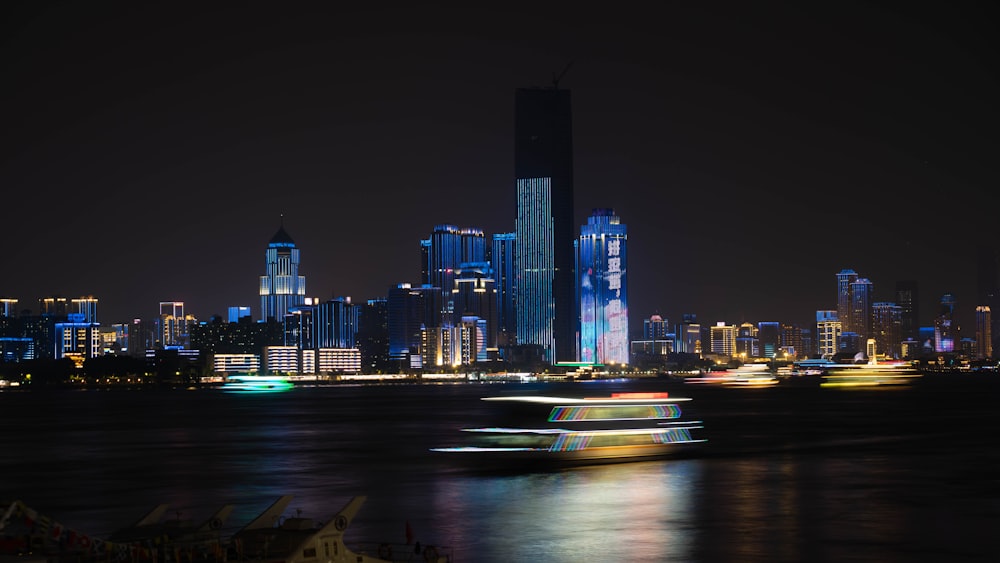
(503, 264)
(945, 333)
(887, 329)
(844, 280)
(543, 168)
(281, 288)
(861, 308)
(908, 299)
(984, 332)
(827, 333)
(603, 289)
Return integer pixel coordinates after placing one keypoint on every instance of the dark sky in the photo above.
(753, 149)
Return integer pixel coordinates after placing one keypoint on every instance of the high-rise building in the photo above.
(988, 287)
(53, 306)
(543, 168)
(448, 248)
(238, 312)
(984, 332)
(407, 311)
(945, 333)
(86, 306)
(908, 299)
(281, 288)
(655, 328)
(887, 329)
(174, 326)
(337, 323)
(687, 335)
(373, 336)
(602, 266)
(828, 330)
(723, 339)
(861, 308)
(8, 307)
(474, 297)
(844, 301)
(769, 338)
(747, 345)
(504, 274)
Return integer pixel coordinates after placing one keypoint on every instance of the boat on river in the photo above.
(620, 428)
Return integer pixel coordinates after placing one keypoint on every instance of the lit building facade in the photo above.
(828, 329)
(984, 332)
(603, 289)
(8, 307)
(723, 339)
(174, 325)
(687, 335)
(504, 275)
(845, 278)
(861, 308)
(945, 331)
(237, 313)
(86, 306)
(547, 308)
(887, 329)
(281, 288)
(769, 338)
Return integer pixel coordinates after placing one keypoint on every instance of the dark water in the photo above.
(790, 473)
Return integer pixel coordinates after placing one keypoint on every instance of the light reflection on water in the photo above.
(788, 475)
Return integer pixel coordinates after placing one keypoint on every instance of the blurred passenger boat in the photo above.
(620, 428)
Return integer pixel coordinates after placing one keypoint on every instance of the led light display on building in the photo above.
(602, 290)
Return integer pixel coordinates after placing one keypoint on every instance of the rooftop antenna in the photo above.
(556, 79)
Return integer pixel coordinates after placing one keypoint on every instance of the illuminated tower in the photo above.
(723, 339)
(887, 329)
(908, 299)
(502, 262)
(86, 306)
(944, 330)
(861, 308)
(827, 333)
(174, 325)
(282, 287)
(603, 292)
(448, 248)
(984, 332)
(844, 280)
(543, 168)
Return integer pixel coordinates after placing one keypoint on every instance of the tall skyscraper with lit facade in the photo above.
(603, 292)
(887, 322)
(504, 275)
(723, 339)
(448, 248)
(908, 299)
(543, 168)
(844, 302)
(945, 331)
(984, 332)
(861, 308)
(828, 330)
(281, 288)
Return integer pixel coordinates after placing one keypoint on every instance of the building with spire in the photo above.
(281, 288)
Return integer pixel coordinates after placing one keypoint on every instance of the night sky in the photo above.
(754, 150)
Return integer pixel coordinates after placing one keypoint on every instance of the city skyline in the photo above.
(736, 150)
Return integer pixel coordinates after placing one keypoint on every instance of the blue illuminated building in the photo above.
(543, 169)
(282, 288)
(603, 289)
(504, 275)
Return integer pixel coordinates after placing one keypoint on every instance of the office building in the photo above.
(281, 288)
(908, 299)
(503, 262)
(861, 308)
(543, 166)
(174, 325)
(984, 332)
(8, 307)
(828, 329)
(723, 339)
(945, 330)
(86, 306)
(372, 338)
(603, 289)
(769, 338)
(237, 313)
(844, 302)
(687, 335)
(887, 329)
